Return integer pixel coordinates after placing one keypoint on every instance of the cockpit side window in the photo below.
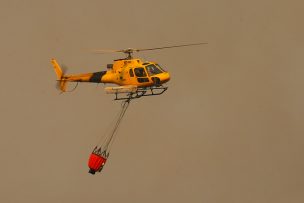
(153, 70)
(140, 72)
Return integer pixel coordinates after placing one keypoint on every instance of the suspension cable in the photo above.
(105, 144)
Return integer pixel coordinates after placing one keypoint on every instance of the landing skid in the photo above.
(141, 92)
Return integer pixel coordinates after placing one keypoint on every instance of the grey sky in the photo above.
(229, 129)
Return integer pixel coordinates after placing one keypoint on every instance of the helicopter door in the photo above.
(132, 78)
(141, 75)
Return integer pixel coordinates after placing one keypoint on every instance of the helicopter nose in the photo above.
(166, 77)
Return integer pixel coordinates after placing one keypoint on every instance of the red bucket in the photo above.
(96, 163)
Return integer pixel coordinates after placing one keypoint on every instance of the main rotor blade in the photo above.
(131, 50)
(168, 47)
(104, 51)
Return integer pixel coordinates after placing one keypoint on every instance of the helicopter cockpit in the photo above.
(140, 72)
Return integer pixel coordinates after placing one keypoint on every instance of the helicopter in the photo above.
(134, 77)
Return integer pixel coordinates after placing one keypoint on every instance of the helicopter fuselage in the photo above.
(135, 72)
(122, 72)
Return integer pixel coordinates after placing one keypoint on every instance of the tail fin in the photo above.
(61, 82)
(57, 68)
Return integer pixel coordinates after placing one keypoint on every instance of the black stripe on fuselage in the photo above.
(96, 77)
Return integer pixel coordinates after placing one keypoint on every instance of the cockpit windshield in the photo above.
(160, 68)
(153, 70)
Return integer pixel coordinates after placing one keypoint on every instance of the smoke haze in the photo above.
(229, 128)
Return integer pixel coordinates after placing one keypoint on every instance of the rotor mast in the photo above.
(129, 52)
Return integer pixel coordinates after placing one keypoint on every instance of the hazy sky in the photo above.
(229, 129)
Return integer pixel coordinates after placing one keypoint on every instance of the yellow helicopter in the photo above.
(135, 78)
